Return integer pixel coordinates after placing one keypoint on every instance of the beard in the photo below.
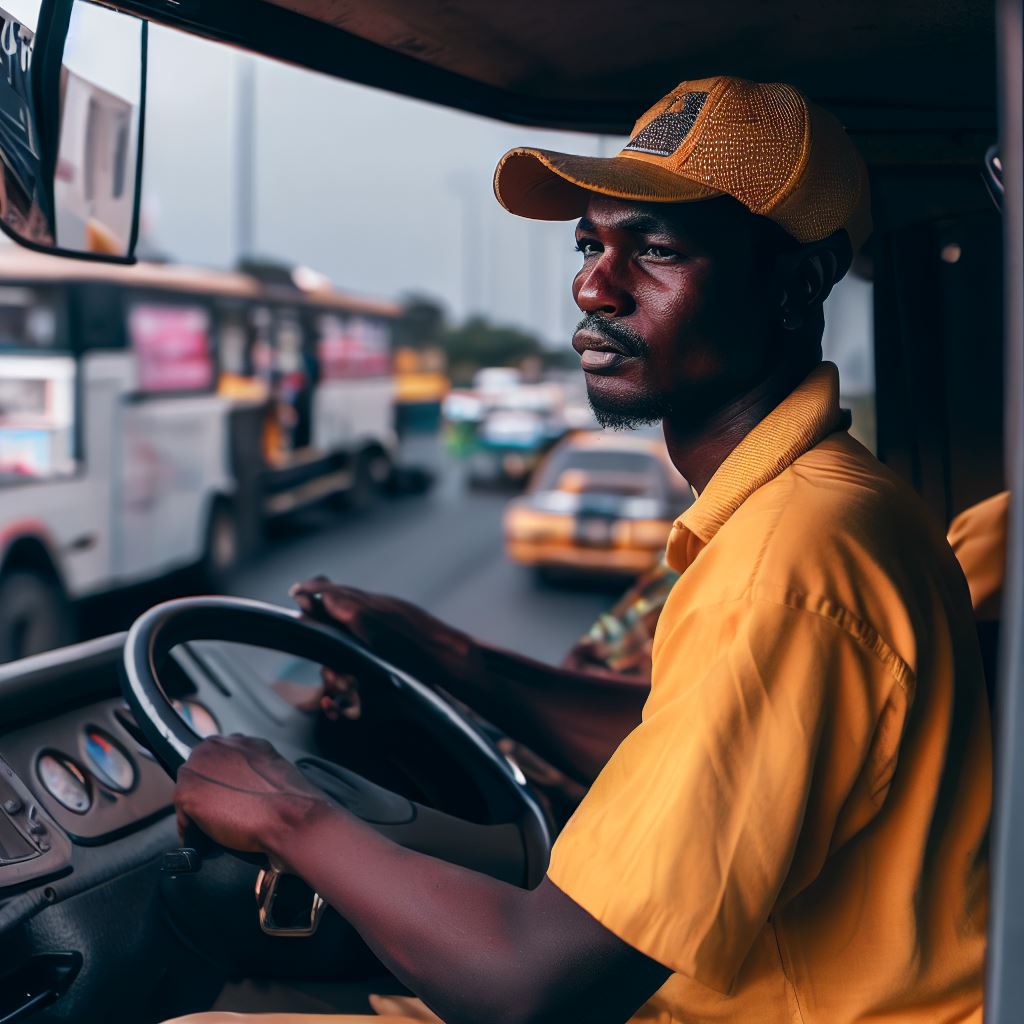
(628, 412)
(619, 411)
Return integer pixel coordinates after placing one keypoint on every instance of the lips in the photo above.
(599, 354)
(593, 360)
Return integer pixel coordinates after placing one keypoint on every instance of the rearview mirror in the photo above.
(72, 103)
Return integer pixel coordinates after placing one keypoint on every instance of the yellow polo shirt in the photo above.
(798, 827)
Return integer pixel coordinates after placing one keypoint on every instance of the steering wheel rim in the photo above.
(229, 619)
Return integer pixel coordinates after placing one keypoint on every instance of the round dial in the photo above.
(195, 715)
(108, 762)
(65, 782)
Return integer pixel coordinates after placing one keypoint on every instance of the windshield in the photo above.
(342, 357)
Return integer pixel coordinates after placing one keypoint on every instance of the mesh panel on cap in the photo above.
(751, 144)
(831, 192)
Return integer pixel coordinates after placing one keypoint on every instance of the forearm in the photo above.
(474, 949)
(575, 720)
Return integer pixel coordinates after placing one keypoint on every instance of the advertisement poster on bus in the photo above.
(172, 343)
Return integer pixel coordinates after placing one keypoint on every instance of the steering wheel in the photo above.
(514, 843)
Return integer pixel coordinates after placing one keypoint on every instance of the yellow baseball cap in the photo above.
(764, 144)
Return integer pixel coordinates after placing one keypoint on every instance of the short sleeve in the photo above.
(758, 712)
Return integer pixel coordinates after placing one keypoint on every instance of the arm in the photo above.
(573, 718)
(476, 950)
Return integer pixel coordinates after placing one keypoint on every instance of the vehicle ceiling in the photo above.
(887, 68)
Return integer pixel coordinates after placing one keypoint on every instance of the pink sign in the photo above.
(172, 344)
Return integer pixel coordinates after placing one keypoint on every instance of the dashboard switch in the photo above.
(13, 805)
(35, 826)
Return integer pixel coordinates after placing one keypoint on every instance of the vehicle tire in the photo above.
(222, 550)
(35, 615)
(369, 474)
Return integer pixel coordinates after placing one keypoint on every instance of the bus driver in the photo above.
(797, 828)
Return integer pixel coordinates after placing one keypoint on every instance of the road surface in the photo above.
(442, 551)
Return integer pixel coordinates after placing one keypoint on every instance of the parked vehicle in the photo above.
(599, 503)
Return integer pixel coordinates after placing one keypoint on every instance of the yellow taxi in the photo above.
(599, 503)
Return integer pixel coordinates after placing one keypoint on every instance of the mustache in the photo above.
(616, 331)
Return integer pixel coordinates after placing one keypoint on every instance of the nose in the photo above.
(600, 287)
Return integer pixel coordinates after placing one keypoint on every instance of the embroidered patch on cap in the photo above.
(665, 134)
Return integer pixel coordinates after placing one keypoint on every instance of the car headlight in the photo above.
(526, 524)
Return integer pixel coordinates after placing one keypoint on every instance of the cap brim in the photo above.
(543, 185)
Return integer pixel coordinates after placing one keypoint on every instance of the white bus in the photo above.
(153, 417)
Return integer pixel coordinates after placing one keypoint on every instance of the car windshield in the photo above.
(615, 472)
(333, 360)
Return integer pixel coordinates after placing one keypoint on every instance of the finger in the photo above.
(338, 683)
(330, 709)
(313, 585)
(305, 594)
(354, 708)
(181, 819)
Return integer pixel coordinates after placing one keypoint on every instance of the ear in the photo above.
(806, 275)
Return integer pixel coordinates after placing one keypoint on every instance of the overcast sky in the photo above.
(383, 194)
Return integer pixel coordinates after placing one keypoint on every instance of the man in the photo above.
(797, 828)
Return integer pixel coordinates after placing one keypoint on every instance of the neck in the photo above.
(698, 450)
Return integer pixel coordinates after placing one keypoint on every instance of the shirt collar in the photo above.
(799, 422)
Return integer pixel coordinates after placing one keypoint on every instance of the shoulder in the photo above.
(838, 507)
(838, 535)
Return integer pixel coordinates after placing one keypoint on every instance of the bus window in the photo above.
(28, 319)
(233, 344)
(237, 346)
(172, 346)
(37, 387)
(354, 346)
(849, 342)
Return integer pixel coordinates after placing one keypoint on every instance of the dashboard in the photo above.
(86, 819)
(91, 913)
(75, 769)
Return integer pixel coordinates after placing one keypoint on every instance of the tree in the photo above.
(478, 343)
(422, 323)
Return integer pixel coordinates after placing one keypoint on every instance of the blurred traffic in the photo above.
(156, 422)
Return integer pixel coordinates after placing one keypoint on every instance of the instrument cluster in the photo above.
(102, 766)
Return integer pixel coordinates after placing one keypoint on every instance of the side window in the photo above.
(234, 344)
(29, 319)
(849, 342)
(172, 345)
(38, 391)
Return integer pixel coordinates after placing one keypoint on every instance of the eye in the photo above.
(661, 252)
(588, 247)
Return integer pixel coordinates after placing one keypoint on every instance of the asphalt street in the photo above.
(443, 551)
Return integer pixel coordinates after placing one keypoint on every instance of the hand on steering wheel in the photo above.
(511, 841)
(238, 791)
(382, 624)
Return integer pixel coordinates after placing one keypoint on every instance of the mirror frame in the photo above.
(48, 54)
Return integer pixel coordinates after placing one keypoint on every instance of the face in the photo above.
(677, 303)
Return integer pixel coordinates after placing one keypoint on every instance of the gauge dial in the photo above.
(65, 782)
(200, 720)
(108, 762)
